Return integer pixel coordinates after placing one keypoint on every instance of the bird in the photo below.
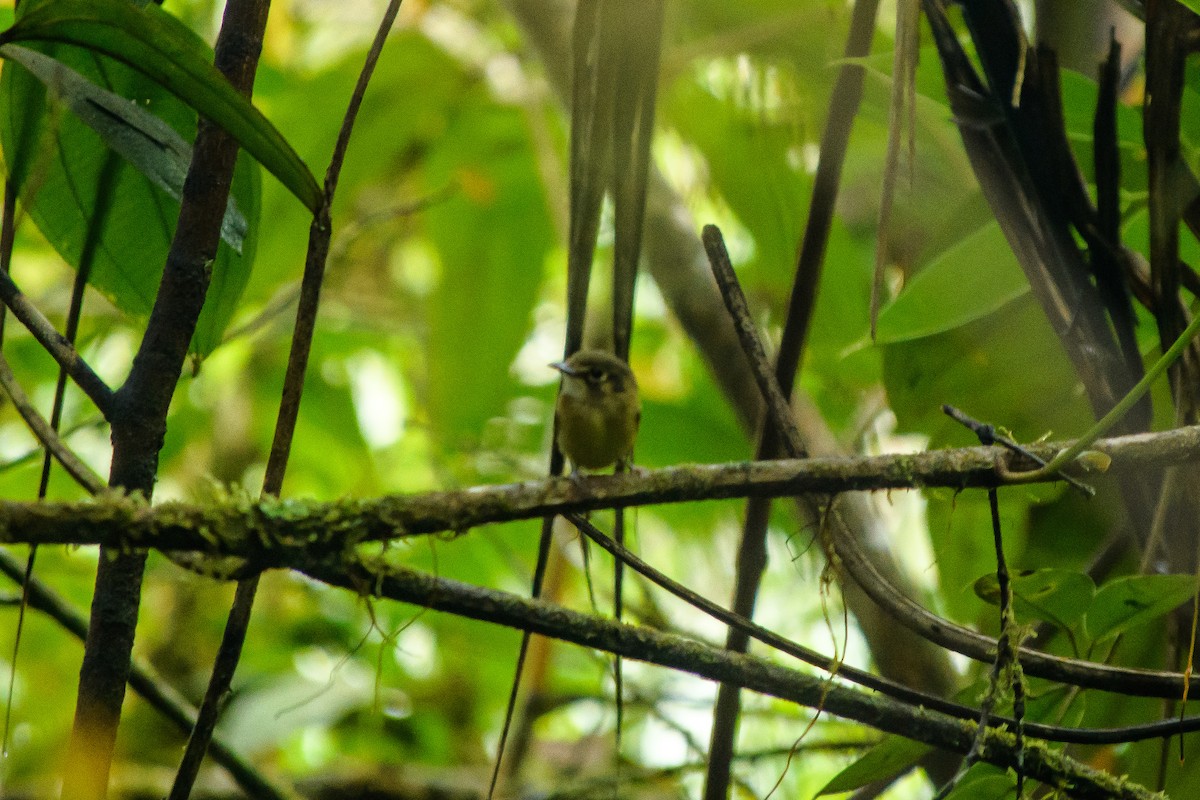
(597, 412)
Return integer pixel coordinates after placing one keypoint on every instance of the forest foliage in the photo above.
(442, 305)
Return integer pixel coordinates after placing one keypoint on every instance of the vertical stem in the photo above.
(140, 409)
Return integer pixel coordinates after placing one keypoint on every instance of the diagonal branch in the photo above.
(45, 433)
(56, 345)
(379, 579)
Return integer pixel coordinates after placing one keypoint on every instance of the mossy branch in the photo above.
(257, 529)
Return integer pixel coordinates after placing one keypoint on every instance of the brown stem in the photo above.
(139, 411)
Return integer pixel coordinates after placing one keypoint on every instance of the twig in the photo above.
(56, 345)
(988, 435)
(1007, 646)
(45, 433)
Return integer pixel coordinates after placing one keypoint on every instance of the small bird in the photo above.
(598, 410)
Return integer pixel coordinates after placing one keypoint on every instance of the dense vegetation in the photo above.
(1027, 228)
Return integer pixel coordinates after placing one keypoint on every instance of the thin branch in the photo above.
(56, 345)
(752, 548)
(46, 434)
(743, 323)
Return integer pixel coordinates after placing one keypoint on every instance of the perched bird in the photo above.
(598, 410)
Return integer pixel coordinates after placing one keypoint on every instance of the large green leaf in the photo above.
(159, 46)
(971, 279)
(142, 139)
(1006, 368)
(1057, 596)
(94, 207)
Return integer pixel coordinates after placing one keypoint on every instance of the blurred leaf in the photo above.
(1006, 368)
(693, 430)
(1057, 596)
(153, 42)
(414, 93)
(889, 758)
(1134, 600)
(492, 236)
(754, 162)
(970, 280)
(266, 714)
(983, 782)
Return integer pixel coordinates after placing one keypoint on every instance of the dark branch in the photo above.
(677, 652)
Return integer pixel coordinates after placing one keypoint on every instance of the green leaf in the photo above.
(968, 281)
(1134, 600)
(99, 212)
(141, 138)
(156, 44)
(1006, 368)
(983, 782)
(1057, 596)
(887, 759)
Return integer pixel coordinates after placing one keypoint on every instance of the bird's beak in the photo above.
(562, 367)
